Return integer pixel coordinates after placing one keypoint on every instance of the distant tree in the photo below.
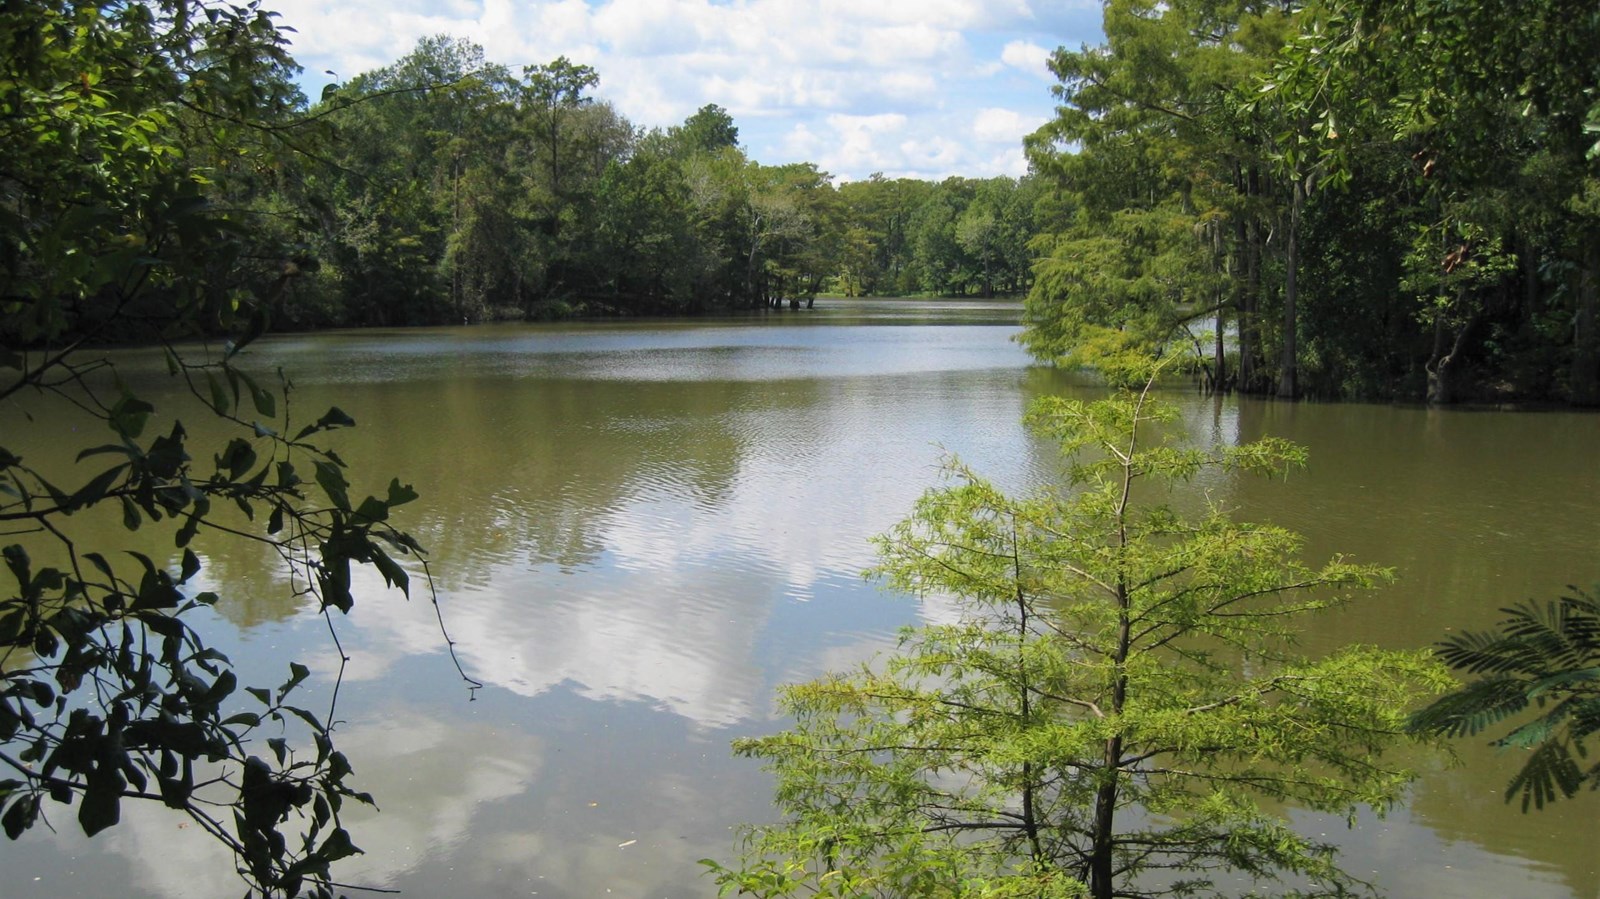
(552, 93)
(415, 228)
(646, 231)
(877, 252)
(710, 129)
(937, 260)
(1545, 657)
(1120, 697)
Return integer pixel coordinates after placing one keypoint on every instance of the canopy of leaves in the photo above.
(1387, 199)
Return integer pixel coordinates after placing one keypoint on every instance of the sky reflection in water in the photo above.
(640, 530)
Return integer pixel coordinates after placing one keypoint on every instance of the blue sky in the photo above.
(919, 88)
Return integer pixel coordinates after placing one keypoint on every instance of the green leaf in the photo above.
(219, 394)
(264, 402)
(332, 481)
(101, 806)
(287, 479)
(337, 846)
(306, 716)
(20, 564)
(334, 418)
(129, 415)
(254, 328)
(237, 458)
(130, 513)
(297, 674)
(372, 510)
(187, 531)
(106, 448)
(400, 494)
(393, 574)
(95, 490)
(20, 815)
(191, 565)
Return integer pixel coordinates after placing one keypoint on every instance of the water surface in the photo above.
(640, 529)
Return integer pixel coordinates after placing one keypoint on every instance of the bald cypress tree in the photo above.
(1120, 709)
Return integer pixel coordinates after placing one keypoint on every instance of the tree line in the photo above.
(1342, 199)
(454, 189)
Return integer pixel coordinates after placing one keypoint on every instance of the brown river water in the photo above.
(641, 529)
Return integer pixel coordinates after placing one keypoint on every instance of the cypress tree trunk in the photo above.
(1219, 349)
(1249, 294)
(1101, 868)
(1441, 366)
(1585, 375)
(1289, 367)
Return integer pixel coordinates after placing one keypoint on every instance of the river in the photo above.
(640, 529)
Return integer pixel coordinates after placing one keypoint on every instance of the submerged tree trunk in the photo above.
(1585, 374)
(1219, 349)
(1441, 366)
(1289, 365)
(1248, 233)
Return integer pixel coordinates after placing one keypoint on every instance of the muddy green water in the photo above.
(639, 530)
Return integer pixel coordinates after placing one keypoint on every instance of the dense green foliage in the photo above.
(1380, 200)
(140, 146)
(954, 237)
(459, 191)
(1542, 656)
(1117, 712)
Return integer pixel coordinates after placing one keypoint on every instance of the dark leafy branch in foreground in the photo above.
(110, 693)
(132, 158)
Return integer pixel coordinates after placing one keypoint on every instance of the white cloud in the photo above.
(859, 143)
(919, 88)
(886, 123)
(957, 13)
(783, 68)
(652, 27)
(802, 143)
(1003, 125)
(169, 857)
(1011, 161)
(1028, 57)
